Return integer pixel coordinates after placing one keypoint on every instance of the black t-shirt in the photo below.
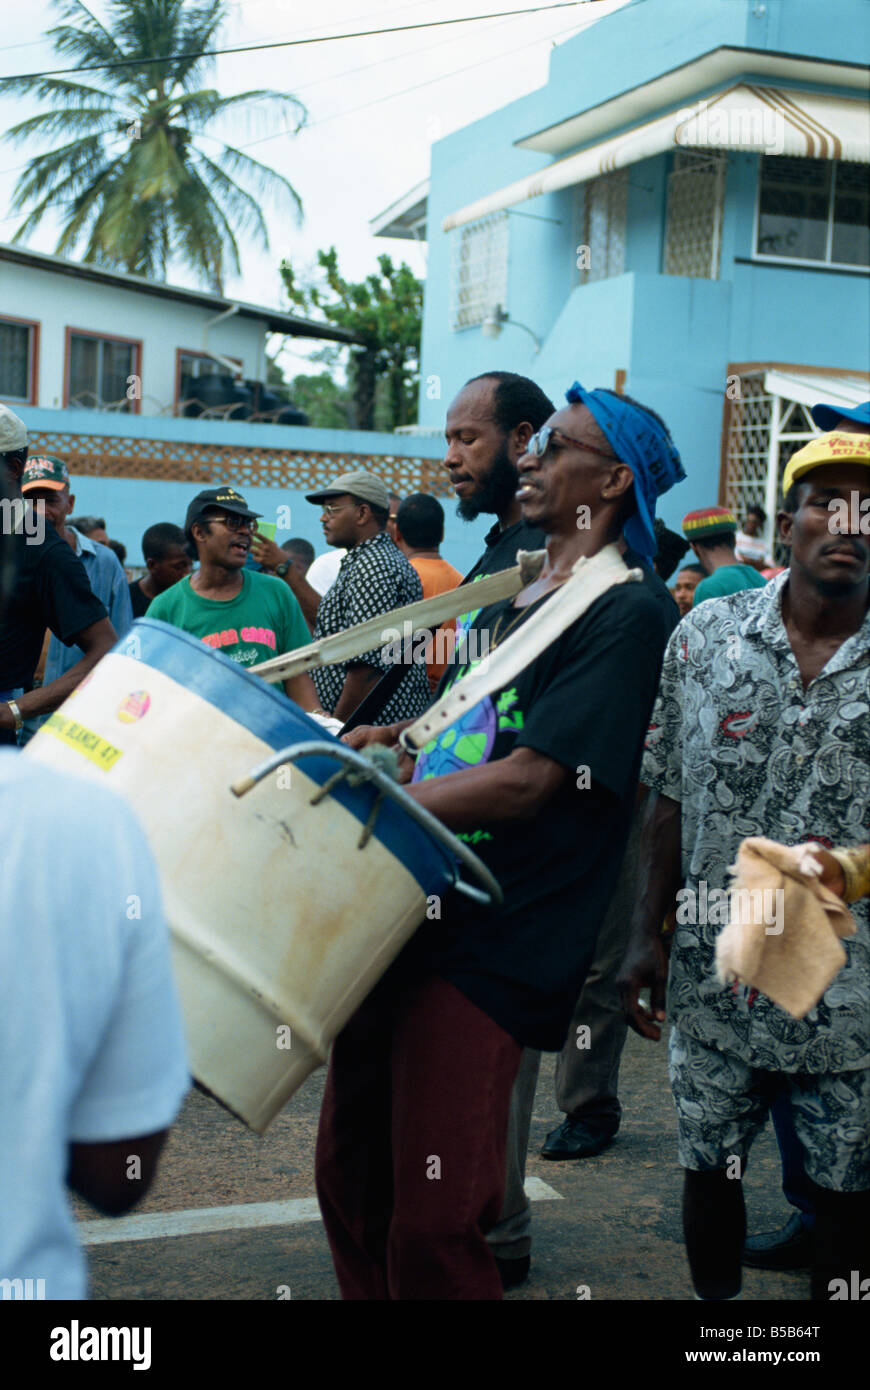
(585, 702)
(138, 600)
(52, 590)
(670, 613)
(502, 546)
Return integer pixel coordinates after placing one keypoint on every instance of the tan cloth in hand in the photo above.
(792, 966)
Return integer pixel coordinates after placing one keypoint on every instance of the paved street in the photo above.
(611, 1223)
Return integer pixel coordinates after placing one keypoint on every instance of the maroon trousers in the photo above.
(411, 1147)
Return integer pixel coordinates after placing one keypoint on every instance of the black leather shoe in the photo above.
(576, 1139)
(791, 1247)
(513, 1272)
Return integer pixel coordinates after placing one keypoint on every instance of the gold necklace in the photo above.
(498, 635)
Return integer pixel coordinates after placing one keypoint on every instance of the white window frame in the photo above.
(497, 296)
(768, 259)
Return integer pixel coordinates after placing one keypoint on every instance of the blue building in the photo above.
(680, 213)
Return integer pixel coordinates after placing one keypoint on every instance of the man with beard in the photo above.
(489, 424)
(779, 750)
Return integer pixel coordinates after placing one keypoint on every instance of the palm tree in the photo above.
(134, 182)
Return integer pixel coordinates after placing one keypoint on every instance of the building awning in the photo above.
(763, 120)
(406, 217)
(846, 389)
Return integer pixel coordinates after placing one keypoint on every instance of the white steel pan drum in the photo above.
(288, 891)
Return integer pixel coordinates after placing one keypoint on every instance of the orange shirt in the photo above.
(437, 577)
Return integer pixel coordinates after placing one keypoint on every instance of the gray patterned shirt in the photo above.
(374, 577)
(746, 751)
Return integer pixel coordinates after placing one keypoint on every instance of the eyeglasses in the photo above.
(234, 522)
(330, 511)
(540, 442)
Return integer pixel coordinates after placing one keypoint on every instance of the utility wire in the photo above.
(291, 43)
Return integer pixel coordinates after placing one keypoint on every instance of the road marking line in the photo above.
(196, 1221)
(539, 1191)
(159, 1225)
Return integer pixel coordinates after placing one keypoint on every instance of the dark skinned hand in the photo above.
(645, 965)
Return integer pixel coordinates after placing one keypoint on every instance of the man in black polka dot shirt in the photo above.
(374, 578)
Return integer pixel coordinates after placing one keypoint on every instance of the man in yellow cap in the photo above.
(780, 751)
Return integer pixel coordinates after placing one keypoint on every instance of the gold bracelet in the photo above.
(855, 864)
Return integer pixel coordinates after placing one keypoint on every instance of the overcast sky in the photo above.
(375, 105)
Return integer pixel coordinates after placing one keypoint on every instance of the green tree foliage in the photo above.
(327, 405)
(133, 184)
(385, 310)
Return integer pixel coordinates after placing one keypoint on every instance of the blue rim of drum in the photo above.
(271, 716)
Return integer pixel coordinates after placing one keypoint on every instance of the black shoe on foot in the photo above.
(513, 1272)
(576, 1139)
(790, 1247)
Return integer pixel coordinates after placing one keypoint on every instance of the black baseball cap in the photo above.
(225, 498)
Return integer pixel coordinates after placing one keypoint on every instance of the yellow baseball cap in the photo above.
(835, 447)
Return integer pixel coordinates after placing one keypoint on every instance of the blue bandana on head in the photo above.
(637, 439)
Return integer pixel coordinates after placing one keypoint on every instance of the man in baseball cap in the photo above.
(46, 483)
(712, 534)
(52, 591)
(374, 578)
(780, 752)
(247, 616)
(217, 500)
(835, 447)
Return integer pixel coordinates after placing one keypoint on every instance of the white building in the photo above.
(78, 336)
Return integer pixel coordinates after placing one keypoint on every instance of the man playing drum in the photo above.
(539, 777)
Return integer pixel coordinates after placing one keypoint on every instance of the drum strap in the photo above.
(425, 613)
(589, 579)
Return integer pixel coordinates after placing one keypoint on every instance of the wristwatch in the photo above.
(16, 715)
(281, 570)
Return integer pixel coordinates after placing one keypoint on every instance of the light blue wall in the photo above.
(131, 505)
(674, 337)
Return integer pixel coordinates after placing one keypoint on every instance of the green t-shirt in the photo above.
(728, 579)
(263, 620)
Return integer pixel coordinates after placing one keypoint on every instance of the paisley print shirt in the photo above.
(746, 750)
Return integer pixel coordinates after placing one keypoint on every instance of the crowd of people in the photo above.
(622, 767)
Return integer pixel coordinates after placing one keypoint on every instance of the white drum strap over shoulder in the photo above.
(590, 578)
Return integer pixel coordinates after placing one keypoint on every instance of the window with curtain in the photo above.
(16, 360)
(99, 369)
(813, 210)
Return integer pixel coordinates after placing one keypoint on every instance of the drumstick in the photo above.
(424, 613)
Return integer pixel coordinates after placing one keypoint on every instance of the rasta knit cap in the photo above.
(708, 522)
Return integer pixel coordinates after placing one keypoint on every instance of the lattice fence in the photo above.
(110, 456)
(693, 230)
(747, 449)
(747, 445)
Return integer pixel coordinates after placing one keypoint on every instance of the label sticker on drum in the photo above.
(97, 750)
(134, 706)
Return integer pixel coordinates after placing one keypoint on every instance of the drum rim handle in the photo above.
(491, 893)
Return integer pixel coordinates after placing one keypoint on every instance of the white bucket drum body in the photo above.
(281, 924)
